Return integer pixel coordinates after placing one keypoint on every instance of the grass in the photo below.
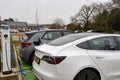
(27, 71)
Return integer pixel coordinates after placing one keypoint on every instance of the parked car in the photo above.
(35, 38)
(117, 32)
(13, 31)
(21, 30)
(78, 31)
(96, 31)
(82, 56)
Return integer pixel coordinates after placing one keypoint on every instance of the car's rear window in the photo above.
(67, 32)
(68, 39)
(25, 38)
(29, 35)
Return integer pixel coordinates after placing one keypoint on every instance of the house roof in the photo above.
(39, 26)
(23, 24)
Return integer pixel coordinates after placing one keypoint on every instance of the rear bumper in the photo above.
(26, 52)
(44, 75)
(21, 53)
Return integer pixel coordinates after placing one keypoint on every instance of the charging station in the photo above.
(6, 54)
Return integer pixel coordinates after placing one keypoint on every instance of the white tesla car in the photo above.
(82, 56)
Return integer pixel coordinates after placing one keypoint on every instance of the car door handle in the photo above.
(99, 57)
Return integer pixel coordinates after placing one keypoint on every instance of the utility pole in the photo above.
(37, 16)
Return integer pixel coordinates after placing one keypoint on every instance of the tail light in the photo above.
(27, 43)
(54, 59)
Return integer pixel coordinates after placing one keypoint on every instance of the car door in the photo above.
(106, 54)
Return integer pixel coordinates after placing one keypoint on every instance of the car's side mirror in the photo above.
(36, 43)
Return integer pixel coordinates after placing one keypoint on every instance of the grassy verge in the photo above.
(27, 71)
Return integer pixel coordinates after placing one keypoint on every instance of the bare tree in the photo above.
(9, 20)
(84, 15)
(55, 26)
(37, 16)
(103, 7)
(116, 3)
(59, 21)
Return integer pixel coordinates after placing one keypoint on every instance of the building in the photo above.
(45, 26)
(24, 26)
(16, 25)
(39, 27)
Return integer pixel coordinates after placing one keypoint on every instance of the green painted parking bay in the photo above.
(27, 71)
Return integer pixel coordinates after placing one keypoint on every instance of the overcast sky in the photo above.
(49, 10)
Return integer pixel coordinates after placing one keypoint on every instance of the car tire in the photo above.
(31, 58)
(87, 75)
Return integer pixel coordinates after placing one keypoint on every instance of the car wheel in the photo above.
(31, 58)
(87, 75)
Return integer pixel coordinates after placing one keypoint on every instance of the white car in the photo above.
(82, 56)
(14, 31)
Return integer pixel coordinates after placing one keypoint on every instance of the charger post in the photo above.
(6, 54)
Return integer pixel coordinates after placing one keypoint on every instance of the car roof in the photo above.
(46, 30)
(87, 34)
(83, 35)
(95, 30)
(55, 30)
(31, 33)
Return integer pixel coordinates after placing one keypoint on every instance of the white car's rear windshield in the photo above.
(69, 38)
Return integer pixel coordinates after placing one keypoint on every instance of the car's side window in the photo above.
(118, 38)
(52, 35)
(45, 36)
(103, 43)
(84, 45)
(66, 32)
